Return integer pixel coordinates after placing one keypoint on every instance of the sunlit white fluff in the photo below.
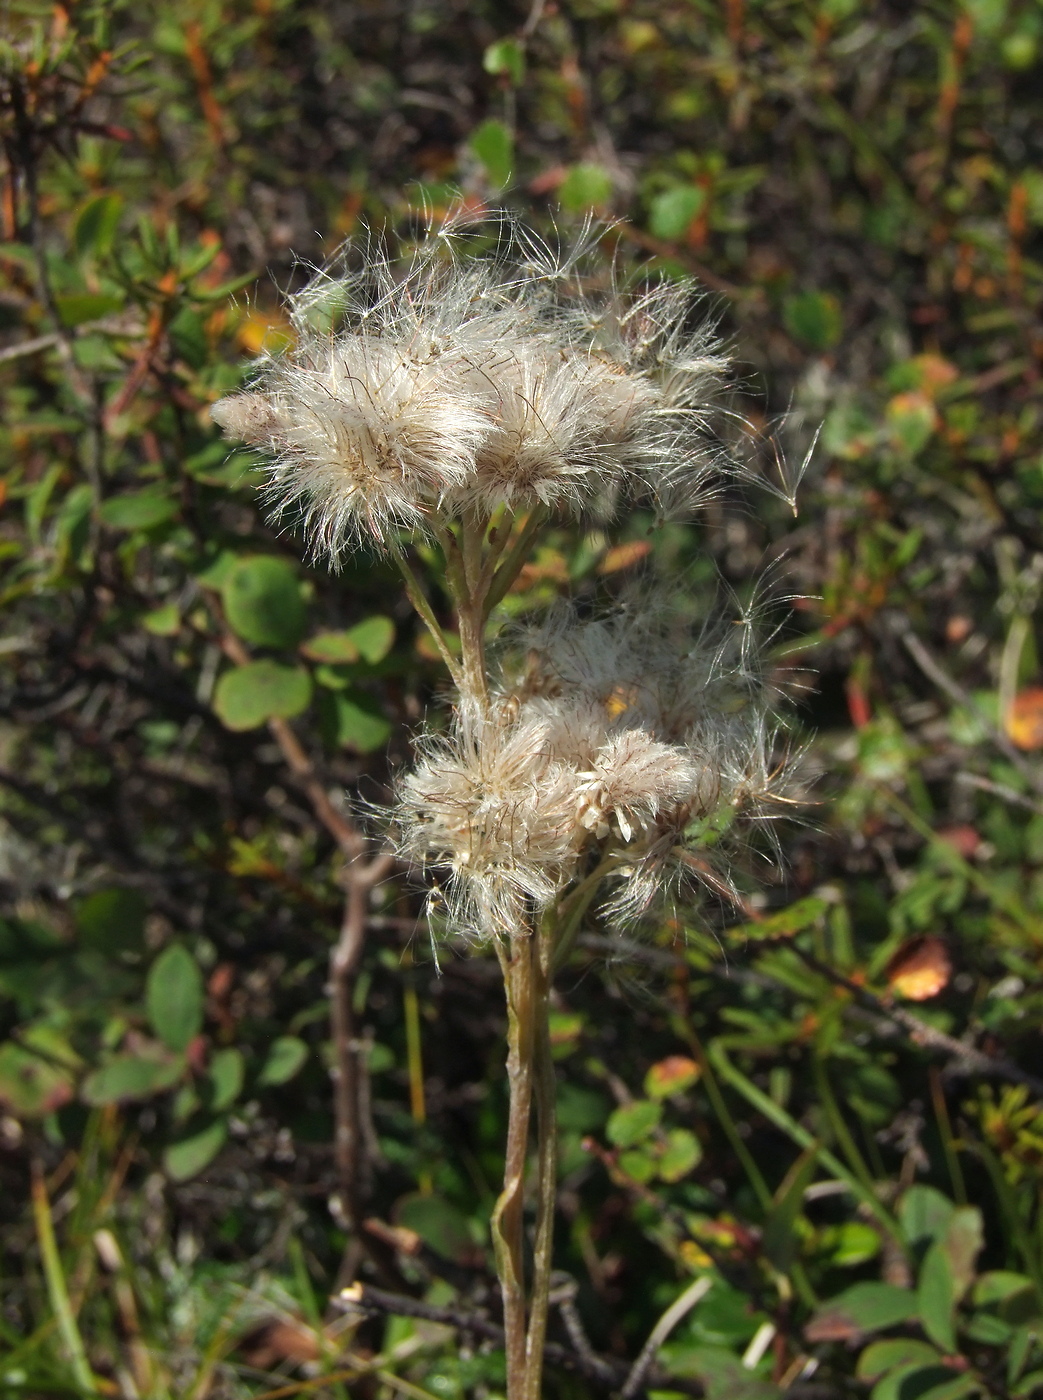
(455, 384)
(621, 742)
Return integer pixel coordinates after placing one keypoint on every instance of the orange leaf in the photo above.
(671, 1076)
(1024, 722)
(920, 970)
(624, 556)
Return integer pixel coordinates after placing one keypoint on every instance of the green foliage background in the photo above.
(756, 1095)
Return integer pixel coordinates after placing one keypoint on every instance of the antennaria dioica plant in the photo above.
(468, 403)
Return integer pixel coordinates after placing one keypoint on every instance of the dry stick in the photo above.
(666, 1324)
(508, 1220)
(956, 692)
(547, 1159)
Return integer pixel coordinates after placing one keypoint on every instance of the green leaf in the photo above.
(334, 648)
(795, 918)
(215, 573)
(132, 1076)
(780, 1240)
(851, 1244)
(359, 725)
(95, 226)
(937, 1295)
(262, 690)
(963, 1241)
(493, 144)
(924, 1214)
(506, 56)
(111, 921)
(586, 186)
(138, 510)
(638, 1163)
(814, 318)
(33, 1084)
(682, 1154)
(174, 997)
(262, 601)
(880, 1357)
(285, 1059)
(913, 1382)
(864, 1307)
(187, 1158)
(1028, 1385)
(672, 212)
(997, 1286)
(164, 621)
(226, 1071)
(374, 637)
(633, 1122)
(78, 307)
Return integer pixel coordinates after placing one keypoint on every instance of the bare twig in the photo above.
(930, 667)
(677, 1310)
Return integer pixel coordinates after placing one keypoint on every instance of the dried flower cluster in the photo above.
(470, 385)
(614, 750)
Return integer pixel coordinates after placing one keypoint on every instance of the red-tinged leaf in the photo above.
(920, 969)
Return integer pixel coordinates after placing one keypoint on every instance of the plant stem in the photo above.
(519, 966)
(416, 595)
(547, 1161)
(57, 1291)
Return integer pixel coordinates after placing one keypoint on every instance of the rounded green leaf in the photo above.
(187, 1158)
(815, 319)
(374, 637)
(359, 723)
(633, 1122)
(586, 186)
(673, 1075)
(438, 1223)
(639, 1164)
(262, 601)
(138, 510)
(32, 1085)
(879, 1357)
(133, 1076)
(682, 1154)
(262, 690)
(226, 1073)
(174, 997)
(507, 57)
(671, 213)
(493, 144)
(285, 1058)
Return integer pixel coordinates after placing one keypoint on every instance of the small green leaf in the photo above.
(187, 1158)
(31, 1084)
(215, 573)
(493, 144)
(359, 723)
(95, 226)
(164, 621)
(638, 1164)
(262, 690)
(997, 1286)
(682, 1154)
(138, 510)
(174, 997)
(864, 1307)
(132, 1076)
(924, 1214)
(672, 212)
(880, 1357)
(374, 637)
(632, 1122)
(78, 307)
(937, 1296)
(814, 318)
(226, 1070)
(915, 1382)
(334, 648)
(506, 56)
(851, 1243)
(262, 601)
(963, 1241)
(795, 918)
(586, 186)
(285, 1058)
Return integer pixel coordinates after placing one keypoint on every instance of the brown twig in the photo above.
(603, 1371)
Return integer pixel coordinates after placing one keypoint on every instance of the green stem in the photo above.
(518, 967)
(513, 559)
(800, 1135)
(417, 596)
(840, 1129)
(547, 1164)
(574, 906)
(727, 1122)
(57, 1291)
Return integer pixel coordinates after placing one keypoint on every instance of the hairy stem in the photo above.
(520, 969)
(547, 1162)
(417, 596)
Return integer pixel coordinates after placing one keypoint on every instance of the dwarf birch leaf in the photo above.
(174, 997)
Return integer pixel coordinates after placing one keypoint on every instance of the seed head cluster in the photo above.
(614, 746)
(475, 384)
